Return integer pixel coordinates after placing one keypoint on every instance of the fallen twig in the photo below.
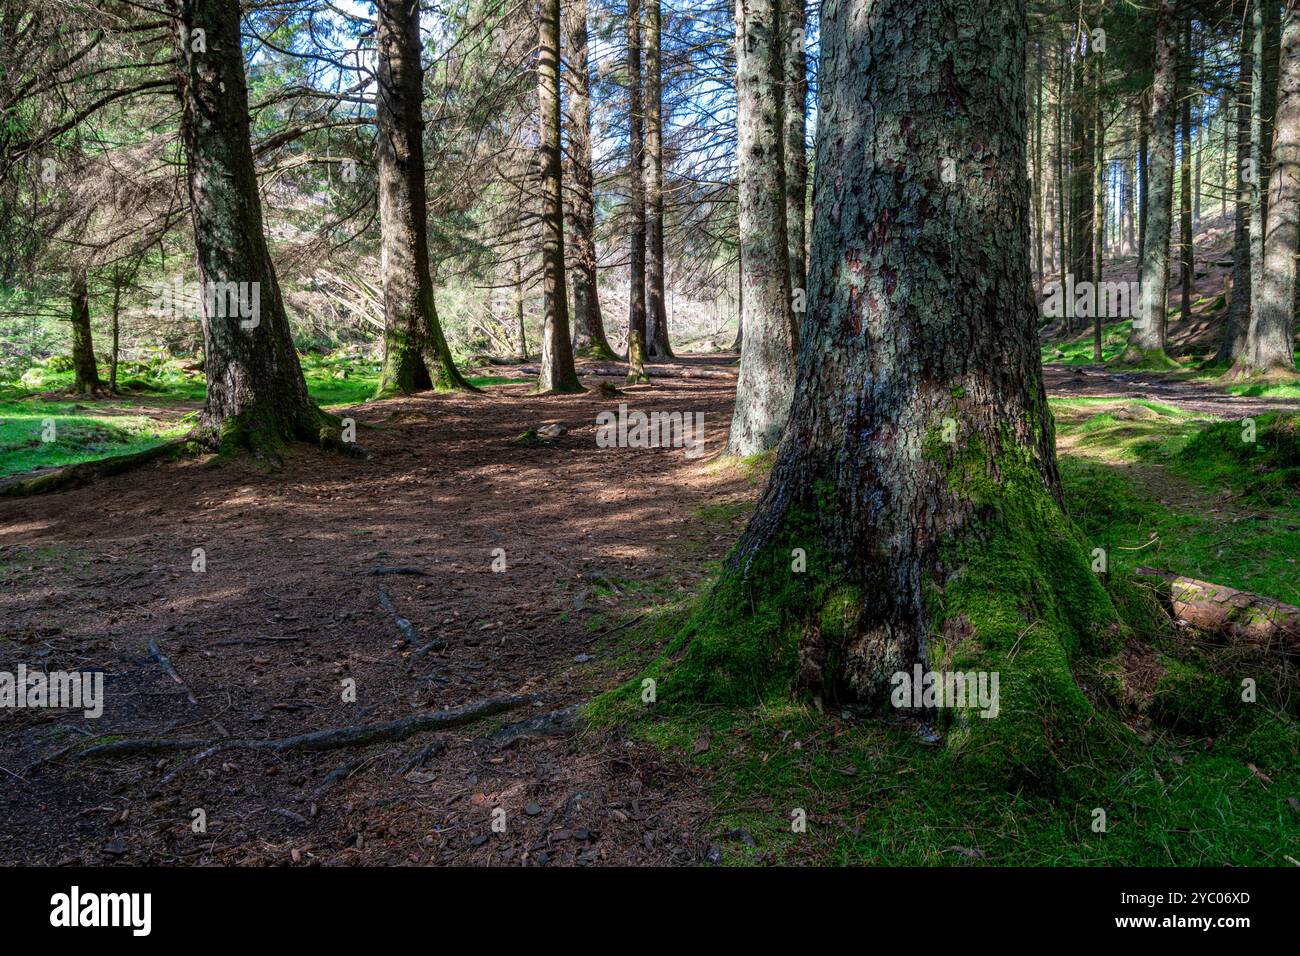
(166, 665)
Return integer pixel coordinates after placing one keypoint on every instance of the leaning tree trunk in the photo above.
(636, 319)
(1233, 343)
(1146, 342)
(913, 515)
(796, 157)
(1269, 341)
(416, 355)
(557, 373)
(85, 372)
(588, 326)
(657, 342)
(256, 396)
(766, 380)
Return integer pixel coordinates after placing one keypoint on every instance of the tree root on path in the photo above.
(558, 723)
(356, 735)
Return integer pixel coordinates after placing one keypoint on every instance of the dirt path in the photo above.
(1094, 381)
(287, 610)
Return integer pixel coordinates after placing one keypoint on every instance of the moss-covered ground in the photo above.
(1121, 740)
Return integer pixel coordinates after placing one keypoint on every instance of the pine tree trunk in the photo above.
(1146, 343)
(796, 157)
(763, 387)
(636, 321)
(1037, 159)
(657, 342)
(588, 324)
(256, 395)
(1099, 186)
(1144, 172)
(1272, 326)
(521, 338)
(557, 372)
(84, 370)
(416, 356)
(1237, 324)
(918, 480)
(1264, 90)
(1185, 261)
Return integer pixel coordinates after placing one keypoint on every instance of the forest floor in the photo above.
(598, 544)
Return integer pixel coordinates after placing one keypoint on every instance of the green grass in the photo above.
(90, 429)
(1078, 350)
(35, 433)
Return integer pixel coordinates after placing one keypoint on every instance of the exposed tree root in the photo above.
(356, 735)
(558, 723)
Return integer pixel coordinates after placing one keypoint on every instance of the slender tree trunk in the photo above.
(557, 372)
(256, 395)
(636, 322)
(84, 370)
(1263, 99)
(796, 157)
(1062, 180)
(1146, 343)
(656, 313)
(1051, 153)
(416, 356)
(588, 325)
(117, 313)
(1237, 324)
(1037, 158)
(919, 473)
(1227, 149)
(1272, 325)
(1144, 174)
(1099, 185)
(521, 338)
(1186, 213)
(763, 387)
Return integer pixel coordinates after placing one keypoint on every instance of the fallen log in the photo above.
(1239, 616)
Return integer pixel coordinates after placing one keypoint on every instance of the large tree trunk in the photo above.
(796, 157)
(416, 356)
(918, 476)
(256, 396)
(588, 325)
(558, 373)
(657, 343)
(763, 390)
(636, 319)
(85, 372)
(1238, 321)
(1146, 343)
(1269, 341)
